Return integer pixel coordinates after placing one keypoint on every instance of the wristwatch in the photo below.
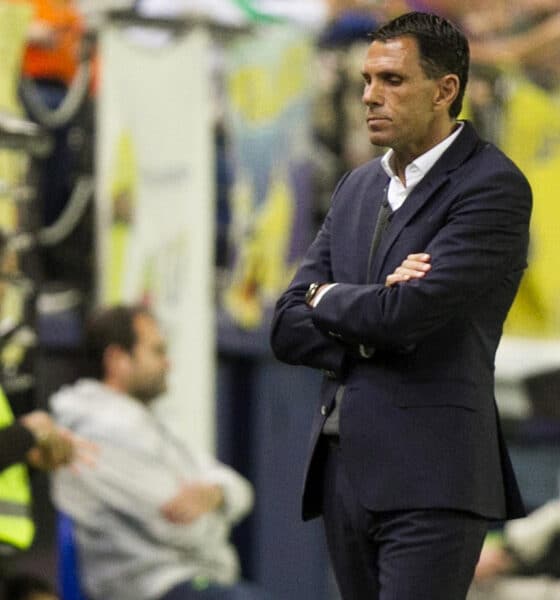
(311, 292)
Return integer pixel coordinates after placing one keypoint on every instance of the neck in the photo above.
(114, 385)
(402, 157)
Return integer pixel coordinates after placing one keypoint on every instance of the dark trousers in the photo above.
(396, 555)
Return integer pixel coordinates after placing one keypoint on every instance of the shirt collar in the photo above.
(426, 161)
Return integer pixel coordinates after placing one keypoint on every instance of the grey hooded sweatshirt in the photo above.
(127, 549)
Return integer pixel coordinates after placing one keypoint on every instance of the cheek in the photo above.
(403, 107)
(156, 368)
(416, 116)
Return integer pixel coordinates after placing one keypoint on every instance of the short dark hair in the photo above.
(109, 326)
(442, 46)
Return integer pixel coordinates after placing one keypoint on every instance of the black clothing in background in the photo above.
(15, 441)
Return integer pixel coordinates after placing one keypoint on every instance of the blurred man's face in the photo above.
(149, 364)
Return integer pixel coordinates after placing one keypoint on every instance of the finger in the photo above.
(395, 278)
(61, 451)
(416, 265)
(410, 272)
(176, 515)
(86, 454)
(53, 456)
(167, 511)
(421, 257)
(168, 516)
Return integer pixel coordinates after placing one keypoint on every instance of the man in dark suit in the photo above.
(400, 300)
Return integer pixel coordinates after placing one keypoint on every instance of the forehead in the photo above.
(146, 329)
(398, 54)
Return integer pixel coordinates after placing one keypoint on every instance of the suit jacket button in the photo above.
(323, 410)
(329, 374)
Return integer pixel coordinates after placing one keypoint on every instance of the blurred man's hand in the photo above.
(494, 560)
(55, 446)
(193, 501)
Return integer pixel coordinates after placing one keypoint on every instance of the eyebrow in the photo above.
(384, 74)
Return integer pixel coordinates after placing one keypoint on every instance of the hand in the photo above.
(494, 560)
(414, 266)
(55, 446)
(193, 501)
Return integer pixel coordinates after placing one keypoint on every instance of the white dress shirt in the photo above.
(414, 173)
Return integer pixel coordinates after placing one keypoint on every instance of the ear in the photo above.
(446, 92)
(116, 360)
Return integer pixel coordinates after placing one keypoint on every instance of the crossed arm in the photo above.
(480, 245)
(176, 510)
(414, 266)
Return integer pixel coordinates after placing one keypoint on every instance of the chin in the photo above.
(379, 140)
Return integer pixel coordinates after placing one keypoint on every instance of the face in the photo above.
(404, 109)
(147, 377)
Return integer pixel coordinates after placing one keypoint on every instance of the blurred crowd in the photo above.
(509, 41)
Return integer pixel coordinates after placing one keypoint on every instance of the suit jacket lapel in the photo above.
(438, 175)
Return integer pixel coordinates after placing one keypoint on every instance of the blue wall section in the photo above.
(264, 419)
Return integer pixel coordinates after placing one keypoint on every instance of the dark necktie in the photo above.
(383, 217)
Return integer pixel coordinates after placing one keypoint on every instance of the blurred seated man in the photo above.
(523, 562)
(153, 515)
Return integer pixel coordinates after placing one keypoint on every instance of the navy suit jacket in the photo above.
(418, 422)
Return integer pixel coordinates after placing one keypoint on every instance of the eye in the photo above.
(394, 80)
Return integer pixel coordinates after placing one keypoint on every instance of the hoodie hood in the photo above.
(89, 407)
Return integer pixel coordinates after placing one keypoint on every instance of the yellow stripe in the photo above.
(16, 531)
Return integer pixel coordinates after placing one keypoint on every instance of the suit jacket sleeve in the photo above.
(294, 337)
(482, 243)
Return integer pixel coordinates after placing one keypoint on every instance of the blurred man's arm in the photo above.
(55, 446)
(36, 439)
(148, 495)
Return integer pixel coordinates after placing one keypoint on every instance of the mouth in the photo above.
(371, 119)
(377, 124)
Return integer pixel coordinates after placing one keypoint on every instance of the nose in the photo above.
(371, 94)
